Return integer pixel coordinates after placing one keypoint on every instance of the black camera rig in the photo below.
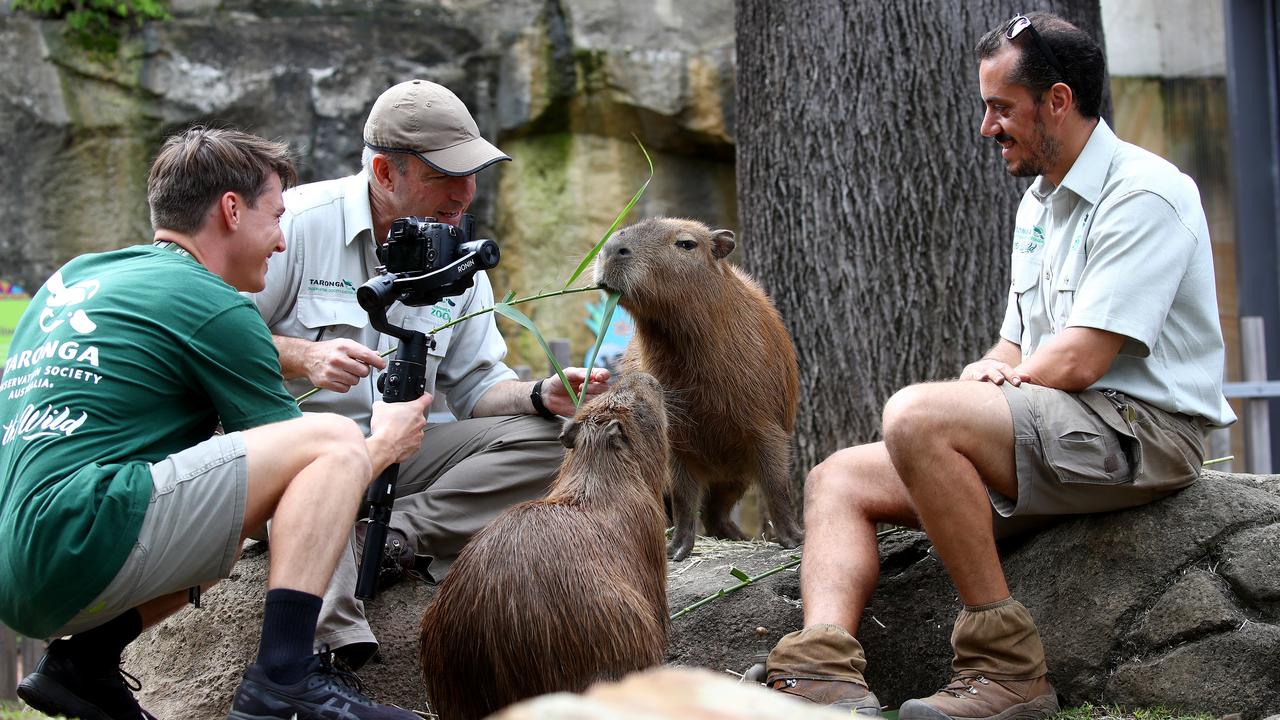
(423, 262)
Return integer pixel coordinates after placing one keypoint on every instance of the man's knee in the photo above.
(330, 439)
(910, 414)
(839, 481)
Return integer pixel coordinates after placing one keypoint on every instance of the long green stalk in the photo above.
(747, 580)
(517, 301)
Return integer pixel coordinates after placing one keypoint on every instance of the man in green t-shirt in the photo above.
(116, 496)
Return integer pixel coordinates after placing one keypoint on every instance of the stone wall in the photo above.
(561, 85)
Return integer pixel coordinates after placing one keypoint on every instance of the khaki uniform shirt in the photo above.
(311, 294)
(1123, 245)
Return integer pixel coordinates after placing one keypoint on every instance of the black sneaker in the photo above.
(64, 685)
(324, 693)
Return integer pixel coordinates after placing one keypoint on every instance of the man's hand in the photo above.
(991, 370)
(396, 431)
(556, 398)
(338, 365)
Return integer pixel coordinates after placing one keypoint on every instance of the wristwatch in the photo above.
(536, 398)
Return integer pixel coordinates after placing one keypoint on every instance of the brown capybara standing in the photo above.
(711, 336)
(557, 593)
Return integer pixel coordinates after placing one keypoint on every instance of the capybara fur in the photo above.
(715, 342)
(557, 593)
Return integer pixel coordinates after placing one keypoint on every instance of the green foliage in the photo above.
(14, 711)
(1093, 712)
(97, 25)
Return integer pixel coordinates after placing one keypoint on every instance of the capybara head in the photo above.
(622, 433)
(657, 260)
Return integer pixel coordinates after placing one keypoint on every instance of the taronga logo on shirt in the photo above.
(320, 286)
(34, 423)
(62, 299)
(1028, 240)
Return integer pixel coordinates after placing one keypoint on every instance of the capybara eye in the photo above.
(686, 244)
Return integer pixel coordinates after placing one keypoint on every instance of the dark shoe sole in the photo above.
(1038, 708)
(47, 695)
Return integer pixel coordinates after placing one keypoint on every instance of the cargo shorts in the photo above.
(1093, 451)
(191, 532)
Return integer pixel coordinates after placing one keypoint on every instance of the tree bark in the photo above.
(871, 209)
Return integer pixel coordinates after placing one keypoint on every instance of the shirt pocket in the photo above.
(1025, 274)
(1064, 298)
(331, 318)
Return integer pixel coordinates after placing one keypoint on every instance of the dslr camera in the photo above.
(424, 261)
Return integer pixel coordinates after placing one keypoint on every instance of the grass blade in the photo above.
(523, 321)
(606, 317)
(586, 260)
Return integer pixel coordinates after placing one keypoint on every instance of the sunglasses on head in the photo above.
(1017, 25)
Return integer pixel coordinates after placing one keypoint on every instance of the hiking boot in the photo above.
(823, 664)
(324, 692)
(838, 694)
(65, 685)
(397, 558)
(974, 697)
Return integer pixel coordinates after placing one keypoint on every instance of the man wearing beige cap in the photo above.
(422, 151)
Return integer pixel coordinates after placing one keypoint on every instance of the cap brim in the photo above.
(466, 158)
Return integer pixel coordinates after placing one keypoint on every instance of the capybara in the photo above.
(715, 342)
(557, 593)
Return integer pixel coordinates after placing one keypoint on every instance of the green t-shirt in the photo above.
(122, 359)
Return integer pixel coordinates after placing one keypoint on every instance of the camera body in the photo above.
(424, 261)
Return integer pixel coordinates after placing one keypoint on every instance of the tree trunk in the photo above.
(872, 210)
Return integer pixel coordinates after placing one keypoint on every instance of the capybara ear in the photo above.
(722, 242)
(614, 432)
(569, 434)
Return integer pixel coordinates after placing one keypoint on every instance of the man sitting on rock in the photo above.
(422, 153)
(116, 502)
(1096, 397)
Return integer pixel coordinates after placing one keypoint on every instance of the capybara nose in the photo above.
(623, 251)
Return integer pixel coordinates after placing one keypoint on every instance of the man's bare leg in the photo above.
(948, 443)
(845, 497)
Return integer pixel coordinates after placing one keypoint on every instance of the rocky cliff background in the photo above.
(565, 87)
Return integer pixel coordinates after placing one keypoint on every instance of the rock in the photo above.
(1195, 606)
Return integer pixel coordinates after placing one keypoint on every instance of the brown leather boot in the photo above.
(999, 670)
(823, 664)
(970, 697)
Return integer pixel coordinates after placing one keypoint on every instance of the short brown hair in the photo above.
(1079, 55)
(199, 164)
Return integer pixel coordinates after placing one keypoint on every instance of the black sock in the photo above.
(288, 633)
(101, 647)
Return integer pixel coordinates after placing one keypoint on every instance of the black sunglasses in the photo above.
(1022, 22)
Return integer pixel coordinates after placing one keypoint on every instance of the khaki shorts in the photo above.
(1091, 452)
(190, 535)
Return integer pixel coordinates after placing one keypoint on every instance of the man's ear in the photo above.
(228, 210)
(722, 242)
(1061, 99)
(381, 169)
(569, 434)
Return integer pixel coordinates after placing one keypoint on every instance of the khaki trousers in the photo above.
(466, 473)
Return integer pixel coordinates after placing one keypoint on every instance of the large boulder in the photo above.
(1176, 603)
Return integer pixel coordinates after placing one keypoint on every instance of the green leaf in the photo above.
(586, 261)
(605, 318)
(739, 574)
(523, 321)
(511, 295)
